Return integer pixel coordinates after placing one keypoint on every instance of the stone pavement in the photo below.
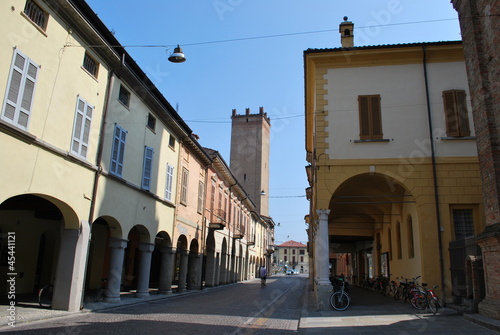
(368, 313)
(371, 313)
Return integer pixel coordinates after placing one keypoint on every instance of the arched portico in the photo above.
(58, 243)
(371, 217)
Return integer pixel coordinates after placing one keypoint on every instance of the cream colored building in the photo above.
(104, 185)
(393, 169)
(291, 255)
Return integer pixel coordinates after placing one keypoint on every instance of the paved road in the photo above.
(245, 308)
(283, 307)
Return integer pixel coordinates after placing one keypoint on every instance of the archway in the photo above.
(57, 247)
(362, 211)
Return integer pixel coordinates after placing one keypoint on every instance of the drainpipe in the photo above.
(434, 174)
(98, 172)
(100, 147)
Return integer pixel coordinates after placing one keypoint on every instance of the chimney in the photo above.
(346, 30)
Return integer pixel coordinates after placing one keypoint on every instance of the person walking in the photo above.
(263, 275)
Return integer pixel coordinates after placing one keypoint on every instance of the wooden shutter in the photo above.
(370, 118)
(462, 113)
(450, 114)
(20, 91)
(147, 167)
(364, 118)
(456, 114)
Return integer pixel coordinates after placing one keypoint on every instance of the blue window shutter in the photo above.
(118, 151)
(81, 128)
(147, 166)
(170, 182)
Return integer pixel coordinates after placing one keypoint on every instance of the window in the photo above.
(293, 251)
(285, 251)
(370, 119)
(456, 115)
(184, 186)
(302, 252)
(124, 96)
(171, 142)
(285, 259)
(411, 246)
(151, 123)
(81, 128)
(118, 151)
(398, 241)
(302, 259)
(170, 182)
(36, 14)
(201, 192)
(90, 65)
(20, 91)
(463, 222)
(147, 167)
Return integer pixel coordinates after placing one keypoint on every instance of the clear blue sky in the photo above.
(233, 63)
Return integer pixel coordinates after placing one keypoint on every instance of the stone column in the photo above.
(193, 271)
(183, 271)
(210, 269)
(166, 270)
(68, 285)
(322, 244)
(145, 252)
(116, 254)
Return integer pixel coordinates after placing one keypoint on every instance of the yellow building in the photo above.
(104, 185)
(394, 174)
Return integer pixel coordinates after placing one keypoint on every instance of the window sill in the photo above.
(458, 138)
(372, 141)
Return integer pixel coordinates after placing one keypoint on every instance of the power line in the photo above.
(260, 37)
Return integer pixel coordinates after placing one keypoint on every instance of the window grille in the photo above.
(36, 14)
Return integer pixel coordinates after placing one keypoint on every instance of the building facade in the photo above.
(291, 255)
(394, 174)
(103, 179)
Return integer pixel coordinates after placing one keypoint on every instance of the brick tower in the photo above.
(250, 134)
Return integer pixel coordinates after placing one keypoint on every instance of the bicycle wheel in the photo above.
(340, 300)
(45, 296)
(433, 303)
(418, 302)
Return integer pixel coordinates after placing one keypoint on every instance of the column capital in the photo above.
(322, 212)
(147, 247)
(117, 243)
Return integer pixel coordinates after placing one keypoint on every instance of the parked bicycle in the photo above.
(340, 299)
(426, 298)
(45, 296)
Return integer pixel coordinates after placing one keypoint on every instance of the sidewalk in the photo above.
(374, 313)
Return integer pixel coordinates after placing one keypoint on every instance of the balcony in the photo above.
(217, 219)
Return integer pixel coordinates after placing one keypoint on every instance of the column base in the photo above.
(112, 299)
(165, 292)
(490, 308)
(324, 290)
(141, 295)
